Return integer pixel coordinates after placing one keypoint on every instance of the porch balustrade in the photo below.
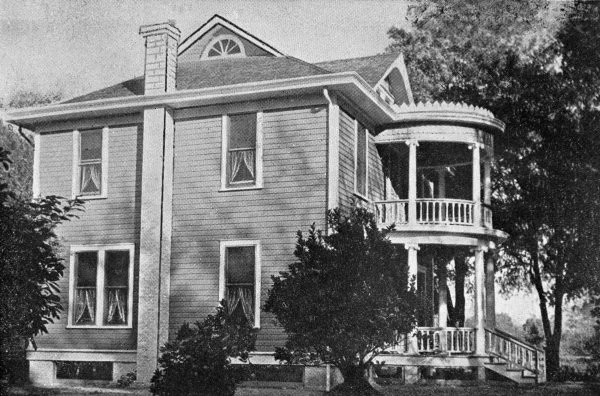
(431, 340)
(517, 354)
(432, 211)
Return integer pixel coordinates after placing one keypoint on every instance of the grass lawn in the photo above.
(550, 389)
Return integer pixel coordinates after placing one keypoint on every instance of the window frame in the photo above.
(258, 154)
(221, 37)
(100, 282)
(364, 196)
(257, 271)
(76, 174)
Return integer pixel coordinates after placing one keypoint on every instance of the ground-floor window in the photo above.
(101, 285)
(239, 283)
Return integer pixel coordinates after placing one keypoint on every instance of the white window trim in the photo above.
(358, 194)
(75, 187)
(219, 38)
(101, 249)
(257, 272)
(258, 180)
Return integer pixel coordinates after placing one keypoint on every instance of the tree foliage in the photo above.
(536, 66)
(29, 265)
(346, 296)
(197, 361)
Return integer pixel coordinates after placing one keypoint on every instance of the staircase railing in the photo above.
(517, 354)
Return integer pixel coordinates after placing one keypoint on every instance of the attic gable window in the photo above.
(224, 46)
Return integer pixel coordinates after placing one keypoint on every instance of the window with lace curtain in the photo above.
(242, 151)
(240, 279)
(101, 286)
(90, 153)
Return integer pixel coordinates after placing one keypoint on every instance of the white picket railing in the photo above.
(440, 211)
(445, 211)
(430, 340)
(392, 212)
(516, 353)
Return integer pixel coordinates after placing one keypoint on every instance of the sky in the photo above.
(81, 45)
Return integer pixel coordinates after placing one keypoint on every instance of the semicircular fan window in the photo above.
(225, 47)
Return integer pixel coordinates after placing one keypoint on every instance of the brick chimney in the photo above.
(160, 68)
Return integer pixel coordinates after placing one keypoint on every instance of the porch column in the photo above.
(412, 342)
(442, 298)
(476, 184)
(490, 291)
(441, 182)
(412, 181)
(479, 303)
(487, 181)
(412, 262)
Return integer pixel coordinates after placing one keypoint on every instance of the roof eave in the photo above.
(350, 84)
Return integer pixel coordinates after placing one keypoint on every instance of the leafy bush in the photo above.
(197, 361)
(127, 379)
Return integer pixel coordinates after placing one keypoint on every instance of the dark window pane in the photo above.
(361, 160)
(116, 268)
(242, 131)
(87, 263)
(84, 370)
(240, 265)
(91, 145)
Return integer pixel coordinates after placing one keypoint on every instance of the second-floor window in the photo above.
(361, 153)
(242, 160)
(89, 163)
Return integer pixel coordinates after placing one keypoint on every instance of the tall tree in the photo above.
(536, 67)
(345, 298)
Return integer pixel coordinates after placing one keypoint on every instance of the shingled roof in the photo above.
(222, 72)
(371, 68)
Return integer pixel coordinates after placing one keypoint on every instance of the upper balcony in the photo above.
(437, 170)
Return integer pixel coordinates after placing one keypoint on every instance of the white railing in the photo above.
(430, 340)
(432, 211)
(486, 216)
(445, 211)
(516, 353)
(392, 212)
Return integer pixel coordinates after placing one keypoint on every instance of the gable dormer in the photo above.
(219, 38)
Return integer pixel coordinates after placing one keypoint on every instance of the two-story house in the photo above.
(198, 174)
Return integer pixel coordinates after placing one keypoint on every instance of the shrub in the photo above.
(197, 361)
(127, 379)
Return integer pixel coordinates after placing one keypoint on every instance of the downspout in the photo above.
(333, 151)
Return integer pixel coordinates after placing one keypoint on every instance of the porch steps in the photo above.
(515, 375)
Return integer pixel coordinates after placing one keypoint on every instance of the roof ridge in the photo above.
(360, 57)
(309, 64)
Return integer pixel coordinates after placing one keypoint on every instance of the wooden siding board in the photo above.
(293, 197)
(105, 221)
(346, 156)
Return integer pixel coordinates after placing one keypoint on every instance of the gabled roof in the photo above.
(371, 68)
(219, 20)
(214, 73)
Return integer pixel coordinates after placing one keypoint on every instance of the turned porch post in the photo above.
(479, 303)
(476, 184)
(412, 262)
(412, 182)
(442, 298)
(490, 291)
(487, 181)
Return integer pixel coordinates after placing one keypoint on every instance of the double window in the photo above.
(241, 165)
(90, 157)
(239, 279)
(361, 153)
(101, 286)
